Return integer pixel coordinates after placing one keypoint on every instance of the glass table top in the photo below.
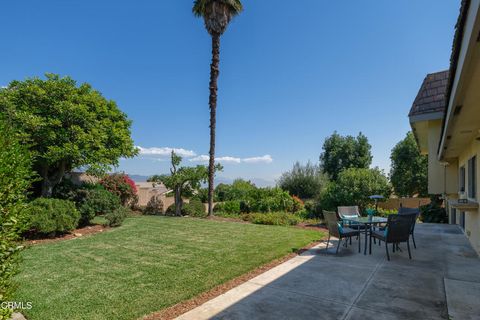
(366, 220)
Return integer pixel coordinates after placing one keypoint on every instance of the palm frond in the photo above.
(200, 6)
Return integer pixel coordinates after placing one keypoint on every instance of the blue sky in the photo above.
(291, 72)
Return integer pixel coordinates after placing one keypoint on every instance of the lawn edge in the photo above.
(190, 304)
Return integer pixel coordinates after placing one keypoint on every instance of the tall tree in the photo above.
(217, 14)
(340, 153)
(409, 169)
(182, 180)
(67, 126)
(303, 181)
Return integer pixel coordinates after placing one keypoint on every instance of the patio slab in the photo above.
(321, 285)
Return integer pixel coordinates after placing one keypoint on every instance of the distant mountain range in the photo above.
(257, 181)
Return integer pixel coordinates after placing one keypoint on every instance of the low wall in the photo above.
(395, 203)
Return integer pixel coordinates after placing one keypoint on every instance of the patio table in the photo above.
(368, 222)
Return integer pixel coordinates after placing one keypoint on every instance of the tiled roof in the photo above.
(431, 98)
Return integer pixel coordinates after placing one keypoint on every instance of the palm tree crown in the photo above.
(217, 14)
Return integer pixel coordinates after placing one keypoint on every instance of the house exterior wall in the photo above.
(472, 218)
(436, 171)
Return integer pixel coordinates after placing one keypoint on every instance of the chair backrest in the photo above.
(348, 212)
(406, 211)
(332, 223)
(399, 226)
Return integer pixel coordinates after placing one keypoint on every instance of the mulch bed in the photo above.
(185, 306)
(74, 234)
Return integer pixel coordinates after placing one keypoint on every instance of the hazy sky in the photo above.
(291, 72)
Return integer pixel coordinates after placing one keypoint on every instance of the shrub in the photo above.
(116, 217)
(433, 212)
(96, 201)
(385, 212)
(353, 187)
(51, 216)
(194, 208)
(313, 209)
(154, 206)
(121, 185)
(15, 179)
(232, 207)
(274, 218)
(297, 204)
(304, 181)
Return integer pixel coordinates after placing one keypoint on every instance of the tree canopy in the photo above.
(409, 169)
(217, 14)
(353, 188)
(67, 126)
(343, 152)
(303, 181)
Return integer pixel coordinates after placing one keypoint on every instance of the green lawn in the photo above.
(148, 264)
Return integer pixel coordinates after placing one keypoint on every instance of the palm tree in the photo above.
(217, 14)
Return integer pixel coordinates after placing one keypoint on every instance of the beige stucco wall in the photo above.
(472, 218)
(436, 171)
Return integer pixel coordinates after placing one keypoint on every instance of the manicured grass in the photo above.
(147, 264)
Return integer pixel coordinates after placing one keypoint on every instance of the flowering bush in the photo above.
(123, 186)
(297, 204)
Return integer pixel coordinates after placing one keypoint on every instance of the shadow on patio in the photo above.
(321, 285)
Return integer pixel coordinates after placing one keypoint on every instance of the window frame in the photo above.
(472, 177)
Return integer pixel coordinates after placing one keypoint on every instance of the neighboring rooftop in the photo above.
(431, 97)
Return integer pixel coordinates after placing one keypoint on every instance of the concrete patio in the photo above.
(442, 281)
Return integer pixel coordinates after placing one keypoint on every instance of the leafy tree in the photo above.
(216, 14)
(183, 180)
(239, 190)
(67, 126)
(341, 153)
(304, 181)
(15, 179)
(409, 170)
(353, 187)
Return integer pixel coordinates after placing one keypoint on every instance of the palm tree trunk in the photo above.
(214, 72)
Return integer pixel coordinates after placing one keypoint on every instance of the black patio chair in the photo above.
(416, 211)
(397, 231)
(337, 230)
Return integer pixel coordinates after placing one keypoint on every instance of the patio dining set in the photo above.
(397, 228)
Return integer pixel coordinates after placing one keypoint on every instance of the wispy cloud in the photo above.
(263, 159)
(166, 151)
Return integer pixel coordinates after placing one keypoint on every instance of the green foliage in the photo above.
(217, 13)
(231, 206)
(303, 181)
(194, 208)
(274, 218)
(51, 216)
(239, 190)
(409, 171)
(353, 187)
(154, 206)
(15, 179)
(67, 126)
(313, 208)
(184, 181)
(116, 217)
(434, 212)
(340, 153)
(123, 186)
(96, 201)
(385, 212)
